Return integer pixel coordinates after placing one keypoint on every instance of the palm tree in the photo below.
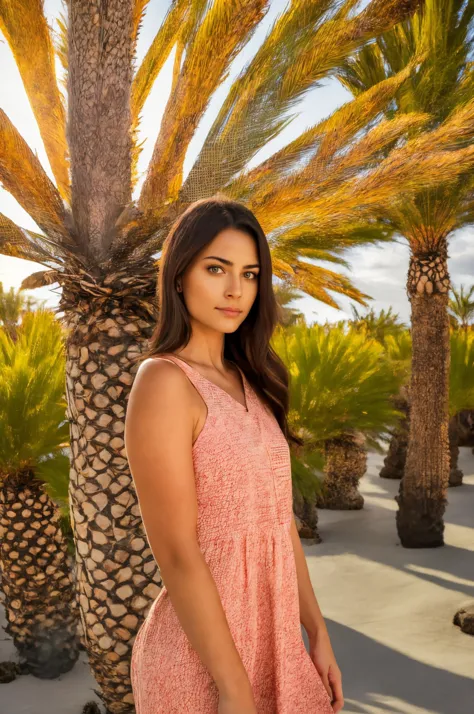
(461, 306)
(284, 294)
(316, 198)
(461, 398)
(377, 326)
(13, 304)
(341, 387)
(443, 87)
(36, 561)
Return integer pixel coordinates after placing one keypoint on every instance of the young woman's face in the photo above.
(223, 275)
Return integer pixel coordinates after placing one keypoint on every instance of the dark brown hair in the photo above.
(249, 346)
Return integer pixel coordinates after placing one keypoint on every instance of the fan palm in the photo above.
(444, 87)
(461, 306)
(341, 387)
(35, 560)
(315, 198)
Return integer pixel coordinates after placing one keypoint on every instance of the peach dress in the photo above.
(243, 482)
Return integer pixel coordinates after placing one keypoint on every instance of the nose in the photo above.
(234, 286)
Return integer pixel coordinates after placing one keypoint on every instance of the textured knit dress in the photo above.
(243, 482)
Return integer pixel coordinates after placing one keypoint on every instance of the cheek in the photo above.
(203, 294)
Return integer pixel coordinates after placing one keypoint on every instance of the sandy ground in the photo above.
(388, 610)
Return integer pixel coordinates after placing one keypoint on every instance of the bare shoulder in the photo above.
(163, 380)
(160, 401)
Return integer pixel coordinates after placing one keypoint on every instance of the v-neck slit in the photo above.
(221, 389)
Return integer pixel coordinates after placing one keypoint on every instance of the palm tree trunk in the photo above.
(455, 473)
(117, 575)
(394, 462)
(345, 464)
(37, 583)
(422, 494)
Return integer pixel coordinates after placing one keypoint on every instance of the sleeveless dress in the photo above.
(243, 482)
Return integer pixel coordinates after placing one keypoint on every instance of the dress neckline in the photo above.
(245, 384)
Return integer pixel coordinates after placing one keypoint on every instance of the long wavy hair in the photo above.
(249, 346)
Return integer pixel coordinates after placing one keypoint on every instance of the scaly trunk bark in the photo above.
(394, 462)
(37, 582)
(422, 494)
(455, 473)
(109, 322)
(345, 464)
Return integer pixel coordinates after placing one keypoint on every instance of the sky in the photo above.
(379, 271)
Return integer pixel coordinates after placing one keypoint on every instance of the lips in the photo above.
(229, 310)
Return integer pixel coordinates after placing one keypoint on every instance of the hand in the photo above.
(321, 653)
(241, 702)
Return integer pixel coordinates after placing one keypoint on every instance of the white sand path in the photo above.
(388, 610)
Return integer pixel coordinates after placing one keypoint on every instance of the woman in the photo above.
(206, 439)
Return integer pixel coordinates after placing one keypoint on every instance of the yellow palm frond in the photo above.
(338, 129)
(323, 178)
(255, 110)
(23, 176)
(152, 64)
(138, 15)
(25, 27)
(17, 242)
(338, 38)
(316, 281)
(225, 29)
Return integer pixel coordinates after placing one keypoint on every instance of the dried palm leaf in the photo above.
(23, 176)
(24, 26)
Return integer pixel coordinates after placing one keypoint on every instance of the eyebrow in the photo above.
(229, 262)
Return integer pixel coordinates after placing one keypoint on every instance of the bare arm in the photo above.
(310, 613)
(158, 436)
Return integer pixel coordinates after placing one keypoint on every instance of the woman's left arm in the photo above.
(313, 622)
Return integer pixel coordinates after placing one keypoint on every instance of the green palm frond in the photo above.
(33, 423)
(461, 380)
(461, 305)
(340, 380)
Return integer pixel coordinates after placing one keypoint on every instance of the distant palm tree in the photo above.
(377, 326)
(284, 294)
(35, 554)
(444, 87)
(461, 306)
(315, 198)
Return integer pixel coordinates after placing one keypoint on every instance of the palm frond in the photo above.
(316, 281)
(33, 421)
(226, 28)
(23, 176)
(274, 81)
(18, 242)
(157, 54)
(24, 26)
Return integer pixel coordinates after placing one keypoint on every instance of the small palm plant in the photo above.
(461, 393)
(13, 304)
(340, 402)
(36, 562)
(461, 307)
